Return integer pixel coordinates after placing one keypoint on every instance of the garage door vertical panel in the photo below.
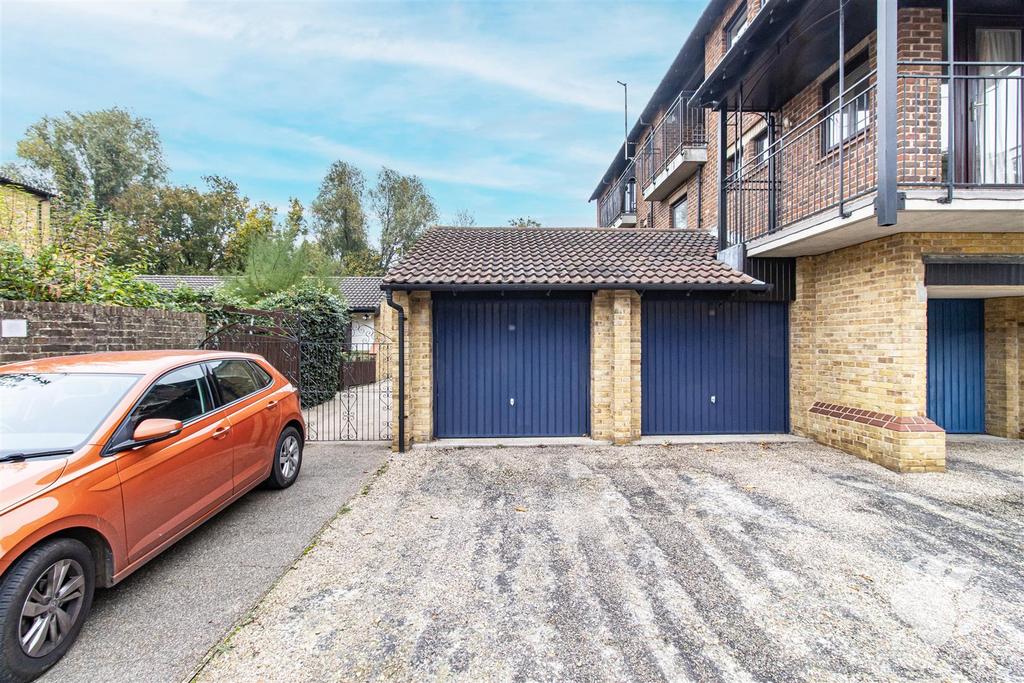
(714, 366)
(956, 365)
(511, 366)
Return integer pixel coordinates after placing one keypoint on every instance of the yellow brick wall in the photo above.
(1004, 380)
(24, 219)
(419, 409)
(615, 366)
(859, 339)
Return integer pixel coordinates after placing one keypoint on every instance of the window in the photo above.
(679, 216)
(181, 394)
(30, 402)
(629, 197)
(736, 26)
(263, 378)
(856, 106)
(759, 147)
(235, 379)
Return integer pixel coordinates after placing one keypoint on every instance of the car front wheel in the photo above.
(287, 459)
(44, 599)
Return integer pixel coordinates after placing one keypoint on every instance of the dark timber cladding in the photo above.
(974, 270)
(714, 366)
(511, 365)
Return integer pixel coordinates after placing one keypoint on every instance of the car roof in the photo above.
(127, 362)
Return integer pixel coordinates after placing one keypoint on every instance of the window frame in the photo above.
(672, 213)
(738, 19)
(859, 60)
(112, 448)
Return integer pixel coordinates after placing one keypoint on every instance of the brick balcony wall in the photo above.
(58, 329)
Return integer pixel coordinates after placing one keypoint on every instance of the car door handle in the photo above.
(221, 432)
(272, 404)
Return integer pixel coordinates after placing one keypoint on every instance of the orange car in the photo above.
(107, 459)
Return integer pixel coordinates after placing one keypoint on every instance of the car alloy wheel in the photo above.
(52, 608)
(288, 456)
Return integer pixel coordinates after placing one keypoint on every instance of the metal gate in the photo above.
(345, 387)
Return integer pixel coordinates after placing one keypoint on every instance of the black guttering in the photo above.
(696, 287)
(401, 368)
(689, 63)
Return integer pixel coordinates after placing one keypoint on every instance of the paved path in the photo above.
(361, 413)
(733, 562)
(159, 623)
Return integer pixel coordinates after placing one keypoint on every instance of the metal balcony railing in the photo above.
(620, 199)
(807, 171)
(682, 127)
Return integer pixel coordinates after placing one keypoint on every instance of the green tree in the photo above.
(295, 219)
(363, 262)
(94, 156)
(404, 209)
(339, 221)
(257, 224)
(276, 263)
(463, 219)
(524, 222)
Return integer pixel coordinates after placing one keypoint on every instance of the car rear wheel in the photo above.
(44, 599)
(287, 459)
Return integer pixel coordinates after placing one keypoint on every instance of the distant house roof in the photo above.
(361, 293)
(31, 189)
(196, 282)
(565, 258)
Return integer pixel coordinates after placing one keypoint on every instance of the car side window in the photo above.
(181, 394)
(263, 378)
(234, 379)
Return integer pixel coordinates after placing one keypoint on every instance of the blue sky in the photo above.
(504, 109)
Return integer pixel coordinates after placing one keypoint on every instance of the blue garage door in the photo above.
(510, 366)
(714, 367)
(956, 364)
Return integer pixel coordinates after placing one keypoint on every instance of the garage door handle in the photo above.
(221, 432)
(271, 405)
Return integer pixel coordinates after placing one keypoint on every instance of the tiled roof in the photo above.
(565, 257)
(361, 293)
(31, 189)
(197, 282)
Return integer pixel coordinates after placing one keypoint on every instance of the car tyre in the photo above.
(287, 459)
(59, 576)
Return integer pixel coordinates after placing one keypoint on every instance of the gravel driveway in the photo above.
(159, 623)
(724, 562)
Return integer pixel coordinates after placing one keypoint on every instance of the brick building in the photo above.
(870, 212)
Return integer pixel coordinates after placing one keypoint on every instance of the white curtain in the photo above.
(996, 108)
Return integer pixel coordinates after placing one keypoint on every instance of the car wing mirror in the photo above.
(153, 430)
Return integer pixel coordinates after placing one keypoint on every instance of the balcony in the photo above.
(674, 151)
(617, 207)
(812, 188)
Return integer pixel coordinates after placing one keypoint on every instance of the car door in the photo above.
(168, 485)
(253, 414)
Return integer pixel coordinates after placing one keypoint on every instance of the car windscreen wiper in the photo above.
(18, 457)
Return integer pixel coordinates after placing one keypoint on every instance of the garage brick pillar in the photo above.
(615, 366)
(419, 409)
(1004, 376)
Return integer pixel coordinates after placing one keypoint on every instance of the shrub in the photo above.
(55, 275)
(321, 322)
(212, 303)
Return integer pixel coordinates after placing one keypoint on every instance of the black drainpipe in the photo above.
(401, 369)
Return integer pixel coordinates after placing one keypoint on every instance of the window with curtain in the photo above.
(995, 107)
(856, 114)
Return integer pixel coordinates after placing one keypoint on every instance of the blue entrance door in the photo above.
(956, 364)
(511, 366)
(714, 367)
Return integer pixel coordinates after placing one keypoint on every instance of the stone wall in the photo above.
(56, 329)
(858, 360)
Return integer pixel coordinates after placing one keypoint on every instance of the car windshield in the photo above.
(49, 411)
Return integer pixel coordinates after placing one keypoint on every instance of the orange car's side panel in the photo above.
(140, 501)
